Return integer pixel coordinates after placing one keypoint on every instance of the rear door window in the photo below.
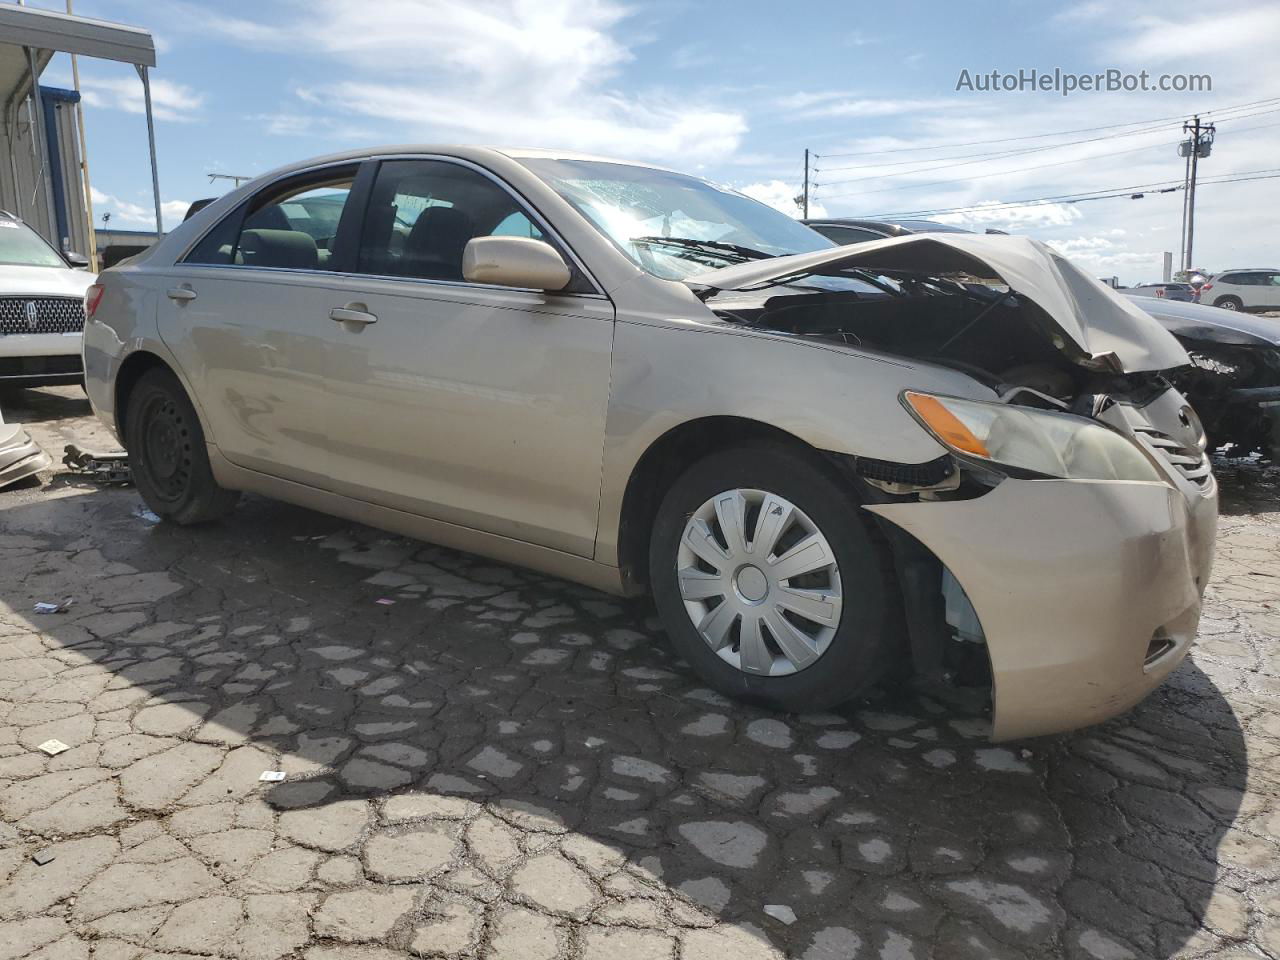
(291, 225)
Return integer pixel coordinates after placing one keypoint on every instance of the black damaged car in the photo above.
(1233, 381)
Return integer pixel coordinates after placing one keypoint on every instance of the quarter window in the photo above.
(422, 213)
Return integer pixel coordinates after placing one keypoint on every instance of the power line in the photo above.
(1102, 193)
(1059, 133)
(1000, 173)
(984, 176)
(988, 155)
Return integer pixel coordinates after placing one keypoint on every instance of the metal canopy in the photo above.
(65, 33)
(29, 37)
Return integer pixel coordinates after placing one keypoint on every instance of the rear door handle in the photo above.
(351, 315)
(180, 294)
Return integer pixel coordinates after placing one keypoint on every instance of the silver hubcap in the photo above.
(760, 582)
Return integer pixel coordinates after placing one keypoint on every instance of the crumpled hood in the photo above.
(1109, 331)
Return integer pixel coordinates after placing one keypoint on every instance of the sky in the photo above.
(733, 92)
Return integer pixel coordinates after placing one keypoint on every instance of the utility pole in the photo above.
(1186, 192)
(1201, 144)
(804, 203)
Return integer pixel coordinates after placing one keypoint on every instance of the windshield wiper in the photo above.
(688, 243)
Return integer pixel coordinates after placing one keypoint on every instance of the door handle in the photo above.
(180, 294)
(351, 315)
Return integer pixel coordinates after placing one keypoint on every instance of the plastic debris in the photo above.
(41, 857)
(1026, 754)
(107, 468)
(781, 912)
(20, 456)
(53, 747)
(142, 513)
(272, 776)
(385, 601)
(46, 607)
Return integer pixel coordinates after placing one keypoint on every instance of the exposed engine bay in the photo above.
(986, 332)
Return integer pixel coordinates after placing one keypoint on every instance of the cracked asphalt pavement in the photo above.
(503, 765)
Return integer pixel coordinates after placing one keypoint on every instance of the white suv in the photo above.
(1252, 289)
(41, 309)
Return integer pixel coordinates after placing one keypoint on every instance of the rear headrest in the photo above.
(278, 248)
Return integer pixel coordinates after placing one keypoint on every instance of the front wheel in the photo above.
(167, 455)
(1229, 303)
(768, 581)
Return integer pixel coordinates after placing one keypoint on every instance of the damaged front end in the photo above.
(1233, 378)
(1064, 538)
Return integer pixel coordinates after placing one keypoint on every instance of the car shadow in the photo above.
(1247, 486)
(512, 712)
(38, 405)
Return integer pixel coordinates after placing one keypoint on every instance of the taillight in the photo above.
(92, 297)
(1205, 286)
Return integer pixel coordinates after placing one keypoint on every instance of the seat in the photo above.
(433, 248)
(291, 249)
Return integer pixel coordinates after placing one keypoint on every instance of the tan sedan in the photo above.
(951, 454)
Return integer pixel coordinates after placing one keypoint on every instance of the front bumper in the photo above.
(40, 358)
(1088, 592)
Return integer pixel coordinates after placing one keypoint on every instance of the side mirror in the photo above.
(77, 260)
(514, 262)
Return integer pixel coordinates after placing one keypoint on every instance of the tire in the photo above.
(849, 652)
(1229, 303)
(167, 455)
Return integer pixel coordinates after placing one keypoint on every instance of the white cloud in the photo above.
(837, 103)
(782, 196)
(528, 72)
(1195, 33)
(1014, 219)
(169, 100)
(126, 214)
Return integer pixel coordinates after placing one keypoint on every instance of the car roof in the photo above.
(1249, 270)
(473, 152)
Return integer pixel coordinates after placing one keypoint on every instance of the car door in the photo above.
(1253, 289)
(478, 405)
(246, 314)
(1271, 291)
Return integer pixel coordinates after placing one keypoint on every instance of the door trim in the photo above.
(556, 563)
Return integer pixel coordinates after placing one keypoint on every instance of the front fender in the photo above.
(830, 397)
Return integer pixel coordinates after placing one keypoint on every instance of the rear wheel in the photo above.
(167, 455)
(768, 581)
(1229, 303)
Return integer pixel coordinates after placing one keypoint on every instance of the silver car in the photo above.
(949, 454)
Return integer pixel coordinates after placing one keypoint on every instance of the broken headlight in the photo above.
(1036, 442)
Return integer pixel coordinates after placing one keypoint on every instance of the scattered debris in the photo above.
(107, 468)
(385, 601)
(53, 747)
(1026, 754)
(272, 776)
(45, 606)
(781, 912)
(41, 857)
(142, 513)
(20, 456)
